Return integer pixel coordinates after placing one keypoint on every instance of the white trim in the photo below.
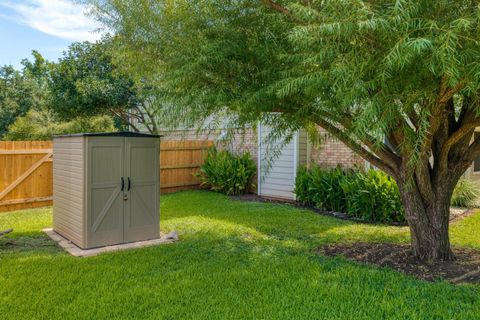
(296, 151)
(259, 160)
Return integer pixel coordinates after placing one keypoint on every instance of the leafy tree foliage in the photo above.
(25, 112)
(18, 94)
(86, 82)
(43, 125)
(406, 71)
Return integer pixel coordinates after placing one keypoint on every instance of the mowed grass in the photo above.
(235, 260)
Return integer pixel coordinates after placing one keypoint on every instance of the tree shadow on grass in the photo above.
(231, 259)
(28, 242)
(279, 221)
(216, 274)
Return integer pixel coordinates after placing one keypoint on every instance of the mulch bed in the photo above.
(464, 269)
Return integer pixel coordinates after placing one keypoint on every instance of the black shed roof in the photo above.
(111, 134)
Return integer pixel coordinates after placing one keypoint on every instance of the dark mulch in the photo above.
(464, 269)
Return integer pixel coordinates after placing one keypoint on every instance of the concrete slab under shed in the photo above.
(71, 248)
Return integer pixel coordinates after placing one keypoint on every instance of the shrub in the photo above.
(303, 183)
(42, 125)
(370, 196)
(465, 193)
(227, 173)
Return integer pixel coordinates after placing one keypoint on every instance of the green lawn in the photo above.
(235, 260)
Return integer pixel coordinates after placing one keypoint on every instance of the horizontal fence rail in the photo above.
(25, 174)
(179, 161)
(26, 170)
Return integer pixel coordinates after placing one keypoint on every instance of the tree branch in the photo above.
(437, 111)
(381, 148)
(354, 146)
(125, 119)
(447, 94)
(467, 124)
(473, 151)
(277, 7)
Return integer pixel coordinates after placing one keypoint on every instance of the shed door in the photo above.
(142, 208)
(105, 217)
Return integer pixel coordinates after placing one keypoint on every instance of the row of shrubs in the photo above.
(368, 195)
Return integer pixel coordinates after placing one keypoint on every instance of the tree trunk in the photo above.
(428, 220)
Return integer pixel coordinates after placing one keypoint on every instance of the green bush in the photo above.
(228, 173)
(42, 125)
(465, 193)
(368, 195)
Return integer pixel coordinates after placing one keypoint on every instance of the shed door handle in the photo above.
(129, 184)
(123, 183)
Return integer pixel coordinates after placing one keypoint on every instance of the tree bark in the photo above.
(428, 220)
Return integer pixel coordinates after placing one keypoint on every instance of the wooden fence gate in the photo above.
(25, 174)
(26, 170)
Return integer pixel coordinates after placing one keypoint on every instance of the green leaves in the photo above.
(227, 173)
(42, 125)
(85, 82)
(19, 92)
(370, 196)
(465, 194)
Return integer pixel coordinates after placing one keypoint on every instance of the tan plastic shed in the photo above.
(106, 188)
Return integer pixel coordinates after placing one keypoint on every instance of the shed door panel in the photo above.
(106, 214)
(142, 208)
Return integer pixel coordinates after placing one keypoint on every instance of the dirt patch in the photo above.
(465, 268)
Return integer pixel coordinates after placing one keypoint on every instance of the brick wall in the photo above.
(329, 154)
(334, 153)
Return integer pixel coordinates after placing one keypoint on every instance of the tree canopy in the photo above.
(84, 83)
(368, 72)
(18, 94)
(26, 112)
(87, 82)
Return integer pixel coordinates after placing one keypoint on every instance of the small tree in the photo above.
(86, 82)
(368, 72)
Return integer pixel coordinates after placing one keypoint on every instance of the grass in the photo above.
(235, 260)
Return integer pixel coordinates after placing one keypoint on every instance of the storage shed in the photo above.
(279, 162)
(106, 188)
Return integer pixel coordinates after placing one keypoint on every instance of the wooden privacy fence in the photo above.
(26, 170)
(25, 174)
(179, 161)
